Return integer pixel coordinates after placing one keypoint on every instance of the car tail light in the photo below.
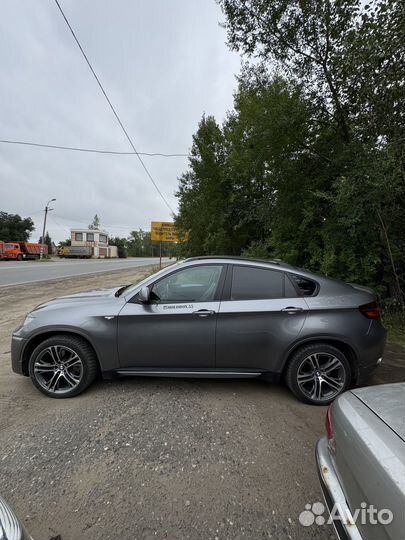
(328, 424)
(371, 310)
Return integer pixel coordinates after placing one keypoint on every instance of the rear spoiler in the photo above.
(362, 288)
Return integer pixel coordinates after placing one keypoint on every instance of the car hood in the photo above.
(91, 294)
(387, 401)
(85, 296)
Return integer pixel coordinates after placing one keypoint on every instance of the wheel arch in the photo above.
(39, 338)
(344, 347)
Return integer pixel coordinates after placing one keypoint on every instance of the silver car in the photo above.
(207, 317)
(361, 463)
(11, 527)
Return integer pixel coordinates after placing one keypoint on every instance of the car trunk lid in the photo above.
(363, 289)
(388, 403)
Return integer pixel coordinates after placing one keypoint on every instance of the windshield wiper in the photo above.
(122, 289)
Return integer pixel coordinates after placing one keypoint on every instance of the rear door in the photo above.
(177, 328)
(259, 317)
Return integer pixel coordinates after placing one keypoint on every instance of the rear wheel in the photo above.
(318, 373)
(63, 366)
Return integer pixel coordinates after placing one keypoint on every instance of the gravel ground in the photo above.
(157, 458)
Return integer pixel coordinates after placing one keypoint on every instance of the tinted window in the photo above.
(256, 283)
(90, 237)
(307, 287)
(289, 289)
(198, 284)
(79, 236)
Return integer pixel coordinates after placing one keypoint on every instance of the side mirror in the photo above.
(144, 295)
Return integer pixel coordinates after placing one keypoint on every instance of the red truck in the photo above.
(23, 250)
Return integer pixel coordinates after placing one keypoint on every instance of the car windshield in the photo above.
(140, 284)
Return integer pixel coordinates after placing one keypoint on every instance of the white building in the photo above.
(96, 240)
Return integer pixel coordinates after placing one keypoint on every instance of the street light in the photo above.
(41, 253)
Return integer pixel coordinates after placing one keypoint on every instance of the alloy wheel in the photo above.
(58, 369)
(321, 376)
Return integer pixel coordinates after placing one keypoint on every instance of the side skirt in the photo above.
(198, 373)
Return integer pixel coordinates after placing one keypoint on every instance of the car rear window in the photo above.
(249, 283)
(306, 286)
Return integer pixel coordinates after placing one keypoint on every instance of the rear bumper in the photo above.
(334, 496)
(17, 348)
(369, 352)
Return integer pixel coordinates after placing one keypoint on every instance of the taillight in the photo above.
(328, 424)
(371, 310)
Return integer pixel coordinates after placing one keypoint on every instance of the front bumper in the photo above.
(334, 496)
(17, 349)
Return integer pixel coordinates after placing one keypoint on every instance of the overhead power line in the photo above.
(108, 225)
(112, 107)
(91, 150)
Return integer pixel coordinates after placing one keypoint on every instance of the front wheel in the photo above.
(317, 373)
(63, 366)
(19, 257)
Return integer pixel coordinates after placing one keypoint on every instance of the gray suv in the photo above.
(207, 317)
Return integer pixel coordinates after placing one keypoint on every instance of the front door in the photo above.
(177, 328)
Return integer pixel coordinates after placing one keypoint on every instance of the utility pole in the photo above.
(47, 209)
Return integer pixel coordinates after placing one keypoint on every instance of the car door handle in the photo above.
(292, 309)
(204, 312)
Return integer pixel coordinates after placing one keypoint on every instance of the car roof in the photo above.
(275, 264)
(236, 259)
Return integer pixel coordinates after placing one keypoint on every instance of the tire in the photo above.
(317, 373)
(63, 366)
(19, 257)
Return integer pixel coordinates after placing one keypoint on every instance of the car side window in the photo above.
(289, 289)
(197, 284)
(307, 287)
(249, 283)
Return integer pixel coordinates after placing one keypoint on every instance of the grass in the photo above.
(395, 326)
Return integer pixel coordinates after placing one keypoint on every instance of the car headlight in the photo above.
(10, 526)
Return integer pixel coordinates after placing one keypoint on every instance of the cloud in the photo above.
(162, 63)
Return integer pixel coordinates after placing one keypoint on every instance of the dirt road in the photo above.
(141, 459)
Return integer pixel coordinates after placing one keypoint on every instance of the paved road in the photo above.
(20, 272)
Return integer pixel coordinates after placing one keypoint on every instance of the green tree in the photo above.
(47, 241)
(203, 192)
(228, 199)
(349, 60)
(139, 244)
(15, 228)
(121, 244)
(95, 224)
(63, 243)
(309, 165)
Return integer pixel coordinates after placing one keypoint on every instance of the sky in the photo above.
(163, 64)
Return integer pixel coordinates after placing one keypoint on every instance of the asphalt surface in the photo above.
(20, 272)
(157, 458)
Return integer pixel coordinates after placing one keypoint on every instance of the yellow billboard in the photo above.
(163, 231)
